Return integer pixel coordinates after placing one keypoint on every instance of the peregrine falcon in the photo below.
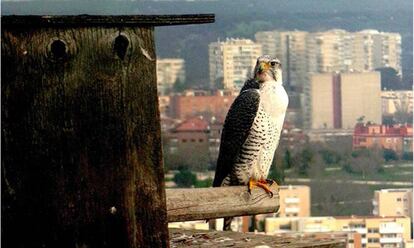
(252, 130)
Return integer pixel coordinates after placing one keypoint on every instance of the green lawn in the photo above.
(396, 173)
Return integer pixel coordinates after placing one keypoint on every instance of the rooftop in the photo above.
(192, 125)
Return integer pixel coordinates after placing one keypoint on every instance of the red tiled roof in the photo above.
(192, 125)
(384, 130)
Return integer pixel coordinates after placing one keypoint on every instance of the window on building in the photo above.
(285, 227)
(200, 140)
(373, 240)
(184, 140)
(398, 199)
(193, 140)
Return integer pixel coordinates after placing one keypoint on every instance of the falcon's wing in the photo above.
(236, 128)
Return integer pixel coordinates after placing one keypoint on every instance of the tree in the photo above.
(219, 83)
(287, 160)
(389, 154)
(179, 86)
(329, 156)
(185, 178)
(360, 119)
(407, 156)
(403, 116)
(305, 158)
(365, 161)
(390, 79)
(277, 169)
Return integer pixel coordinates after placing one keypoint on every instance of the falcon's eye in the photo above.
(273, 63)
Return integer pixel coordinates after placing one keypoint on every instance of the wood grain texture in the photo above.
(210, 203)
(81, 146)
(201, 238)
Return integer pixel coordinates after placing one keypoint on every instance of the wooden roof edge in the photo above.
(29, 21)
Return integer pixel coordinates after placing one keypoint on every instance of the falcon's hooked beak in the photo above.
(262, 67)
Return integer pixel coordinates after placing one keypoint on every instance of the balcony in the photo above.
(292, 200)
(391, 228)
(359, 230)
(292, 210)
(390, 240)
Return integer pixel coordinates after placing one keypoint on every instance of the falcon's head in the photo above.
(268, 68)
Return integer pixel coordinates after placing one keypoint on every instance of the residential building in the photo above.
(393, 202)
(329, 135)
(195, 142)
(232, 61)
(169, 71)
(329, 51)
(195, 103)
(398, 137)
(399, 100)
(299, 224)
(373, 49)
(367, 231)
(366, 50)
(164, 104)
(377, 231)
(305, 53)
(195, 225)
(294, 201)
(332, 50)
(337, 100)
(290, 48)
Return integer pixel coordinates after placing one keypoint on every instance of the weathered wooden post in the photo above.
(81, 151)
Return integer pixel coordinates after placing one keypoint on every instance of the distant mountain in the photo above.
(243, 18)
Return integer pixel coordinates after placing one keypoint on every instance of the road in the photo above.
(339, 181)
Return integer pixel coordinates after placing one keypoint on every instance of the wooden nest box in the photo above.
(81, 145)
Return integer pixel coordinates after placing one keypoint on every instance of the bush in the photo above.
(348, 168)
(407, 156)
(185, 178)
(204, 183)
(389, 154)
(330, 157)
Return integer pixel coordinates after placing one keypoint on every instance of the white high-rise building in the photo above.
(169, 71)
(334, 50)
(373, 49)
(232, 61)
(290, 48)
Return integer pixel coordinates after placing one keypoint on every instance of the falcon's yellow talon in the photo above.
(261, 184)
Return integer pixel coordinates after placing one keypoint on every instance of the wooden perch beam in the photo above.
(211, 203)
